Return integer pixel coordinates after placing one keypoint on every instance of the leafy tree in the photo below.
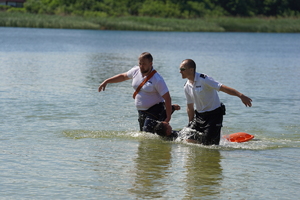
(159, 8)
(166, 8)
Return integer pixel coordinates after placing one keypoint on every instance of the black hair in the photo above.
(160, 129)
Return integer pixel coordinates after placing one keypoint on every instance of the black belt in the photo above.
(215, 111)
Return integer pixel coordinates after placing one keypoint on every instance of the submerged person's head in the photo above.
(163, 129)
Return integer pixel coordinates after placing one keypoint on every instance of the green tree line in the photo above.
(184, 9)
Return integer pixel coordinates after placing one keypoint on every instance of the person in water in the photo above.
(201, 92)
(161, 118)
(152, 99)
(188, 134)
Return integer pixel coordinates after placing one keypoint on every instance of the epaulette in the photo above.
(185, 83)
(203, 76)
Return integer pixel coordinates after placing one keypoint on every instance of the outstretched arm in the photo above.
(115, 79)
(246, 100)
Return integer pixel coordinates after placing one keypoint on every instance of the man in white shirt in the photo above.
(201, 91)
(153, 101)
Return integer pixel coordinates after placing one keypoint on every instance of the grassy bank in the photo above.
(220, 24)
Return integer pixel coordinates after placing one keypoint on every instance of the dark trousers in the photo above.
(148, 118)
(208, 125)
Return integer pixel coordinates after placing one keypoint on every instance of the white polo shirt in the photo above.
(152, 91)
(203, 93)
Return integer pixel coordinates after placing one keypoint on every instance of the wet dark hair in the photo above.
(160, 129)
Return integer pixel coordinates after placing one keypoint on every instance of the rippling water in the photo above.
(61, 139)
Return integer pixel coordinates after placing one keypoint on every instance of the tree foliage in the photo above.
(166, 8)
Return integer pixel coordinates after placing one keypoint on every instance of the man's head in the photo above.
(163, 129)
(187, 68)
(145, 63)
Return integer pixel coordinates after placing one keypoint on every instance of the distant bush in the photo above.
(160, 9)
(94, 14)
(208, 24)
(20, 10)
(167, 8)
(4, 8)
(187, 9)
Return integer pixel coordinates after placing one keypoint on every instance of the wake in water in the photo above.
(255, 144)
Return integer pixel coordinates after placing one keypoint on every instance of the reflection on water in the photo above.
(156, 170)
(152, 169)
(204, 172)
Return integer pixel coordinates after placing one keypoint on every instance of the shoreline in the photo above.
(213, 24)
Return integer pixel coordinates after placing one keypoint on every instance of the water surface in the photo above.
(61, 139)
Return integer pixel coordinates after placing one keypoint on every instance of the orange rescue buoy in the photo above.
(239, 137)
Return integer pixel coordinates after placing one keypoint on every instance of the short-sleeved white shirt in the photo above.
(203, 93)
(152, 91)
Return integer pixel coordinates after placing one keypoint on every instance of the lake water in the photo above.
(61, 139)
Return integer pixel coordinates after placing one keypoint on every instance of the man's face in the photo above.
(145, 65)
(183, 70)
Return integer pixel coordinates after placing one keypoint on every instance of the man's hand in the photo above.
(102, 86)
(246, 100)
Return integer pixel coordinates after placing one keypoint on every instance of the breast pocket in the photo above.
(198, 89)
(148, 87)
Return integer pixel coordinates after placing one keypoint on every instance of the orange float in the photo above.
(238, 137)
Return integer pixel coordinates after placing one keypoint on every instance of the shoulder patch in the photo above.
(203, 76)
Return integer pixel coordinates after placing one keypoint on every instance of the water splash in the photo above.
(258, 143)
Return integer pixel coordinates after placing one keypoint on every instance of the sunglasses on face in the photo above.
(182, 69)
